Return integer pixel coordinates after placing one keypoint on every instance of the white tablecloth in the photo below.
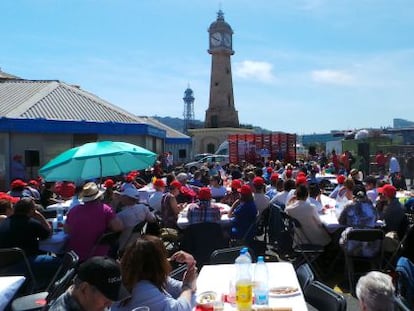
(9, 285)
(217, 278)
(182, 221)
(55, 244)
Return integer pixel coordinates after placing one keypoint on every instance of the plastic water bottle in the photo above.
(243, 281)
(246, 252)
(261, 280)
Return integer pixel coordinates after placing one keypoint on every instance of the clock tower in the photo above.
(221, 112)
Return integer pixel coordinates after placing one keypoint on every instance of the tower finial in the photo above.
(220, 15)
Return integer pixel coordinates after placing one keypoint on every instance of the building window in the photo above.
(182, 153)
(211, 148)
(214, 121)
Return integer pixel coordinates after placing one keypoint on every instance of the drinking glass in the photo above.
(142, 308)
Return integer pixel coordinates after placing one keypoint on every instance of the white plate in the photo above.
(283, 291)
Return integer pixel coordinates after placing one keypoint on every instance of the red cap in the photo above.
(18, 183)
(269, 169)
(5, 196)
(245, 190)
(109, 183)
(17, 157)
(33, 182)
(301, 180)
(388, 190)
(274, 177)
(301, 174)
(204, 193)
(236, 184)
(288, 173)
(159, 183)
(258, 181)
(175, 184)
(340, 179)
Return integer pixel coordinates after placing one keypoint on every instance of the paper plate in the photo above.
(283, 291)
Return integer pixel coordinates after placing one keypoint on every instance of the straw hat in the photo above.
(91, 192)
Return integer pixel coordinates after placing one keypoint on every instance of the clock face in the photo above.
(215, 39)
(227, 39)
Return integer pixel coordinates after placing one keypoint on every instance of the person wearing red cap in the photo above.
(6, 205)
(392, 212)
(260, 199)
(340, 180)
(155, 198)
(233, 195)
(243, 214)
(170, 208)
(272, 188)
(203, 210)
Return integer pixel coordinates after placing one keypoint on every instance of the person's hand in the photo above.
(183, 257)
(190, 277)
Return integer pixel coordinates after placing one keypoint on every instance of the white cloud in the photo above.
(328, 76)
(261, 71)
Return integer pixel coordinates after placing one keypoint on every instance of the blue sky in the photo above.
(302, 66)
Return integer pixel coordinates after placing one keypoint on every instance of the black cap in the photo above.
(105, 274)
(359, 191)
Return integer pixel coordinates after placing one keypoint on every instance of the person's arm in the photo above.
(115, 224)
(40, 218)
(233, 207)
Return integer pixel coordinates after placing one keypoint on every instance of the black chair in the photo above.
(356, 246)
(201, 240)
(14, 259)
(324, 298)
(303, 249)
(137, 231)
(401, 304)
(178, 272)
(227, 255)
(279, 233)
(108, 238)
(305, 275)
(59, 283)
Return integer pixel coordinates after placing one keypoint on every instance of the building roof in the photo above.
(5, 75)
(171, 133)
(56, 100)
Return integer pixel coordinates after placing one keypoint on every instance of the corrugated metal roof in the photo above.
(5, 75)
(57, 100)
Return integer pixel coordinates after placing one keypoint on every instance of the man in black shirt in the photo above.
(24, 229)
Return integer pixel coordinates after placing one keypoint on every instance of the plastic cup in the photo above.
(142, 308)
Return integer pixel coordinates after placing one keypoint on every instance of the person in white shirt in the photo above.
(315, 196)
(280, 197)
(260, 199)
(132, 214)
(155, 198)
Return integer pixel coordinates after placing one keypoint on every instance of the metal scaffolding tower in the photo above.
(188, 109)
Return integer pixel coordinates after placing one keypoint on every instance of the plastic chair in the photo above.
(228, 255)
(363, 238)
(56, 287)
(15, 258)
(201, 240)
(305, 275)
(324, 298)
